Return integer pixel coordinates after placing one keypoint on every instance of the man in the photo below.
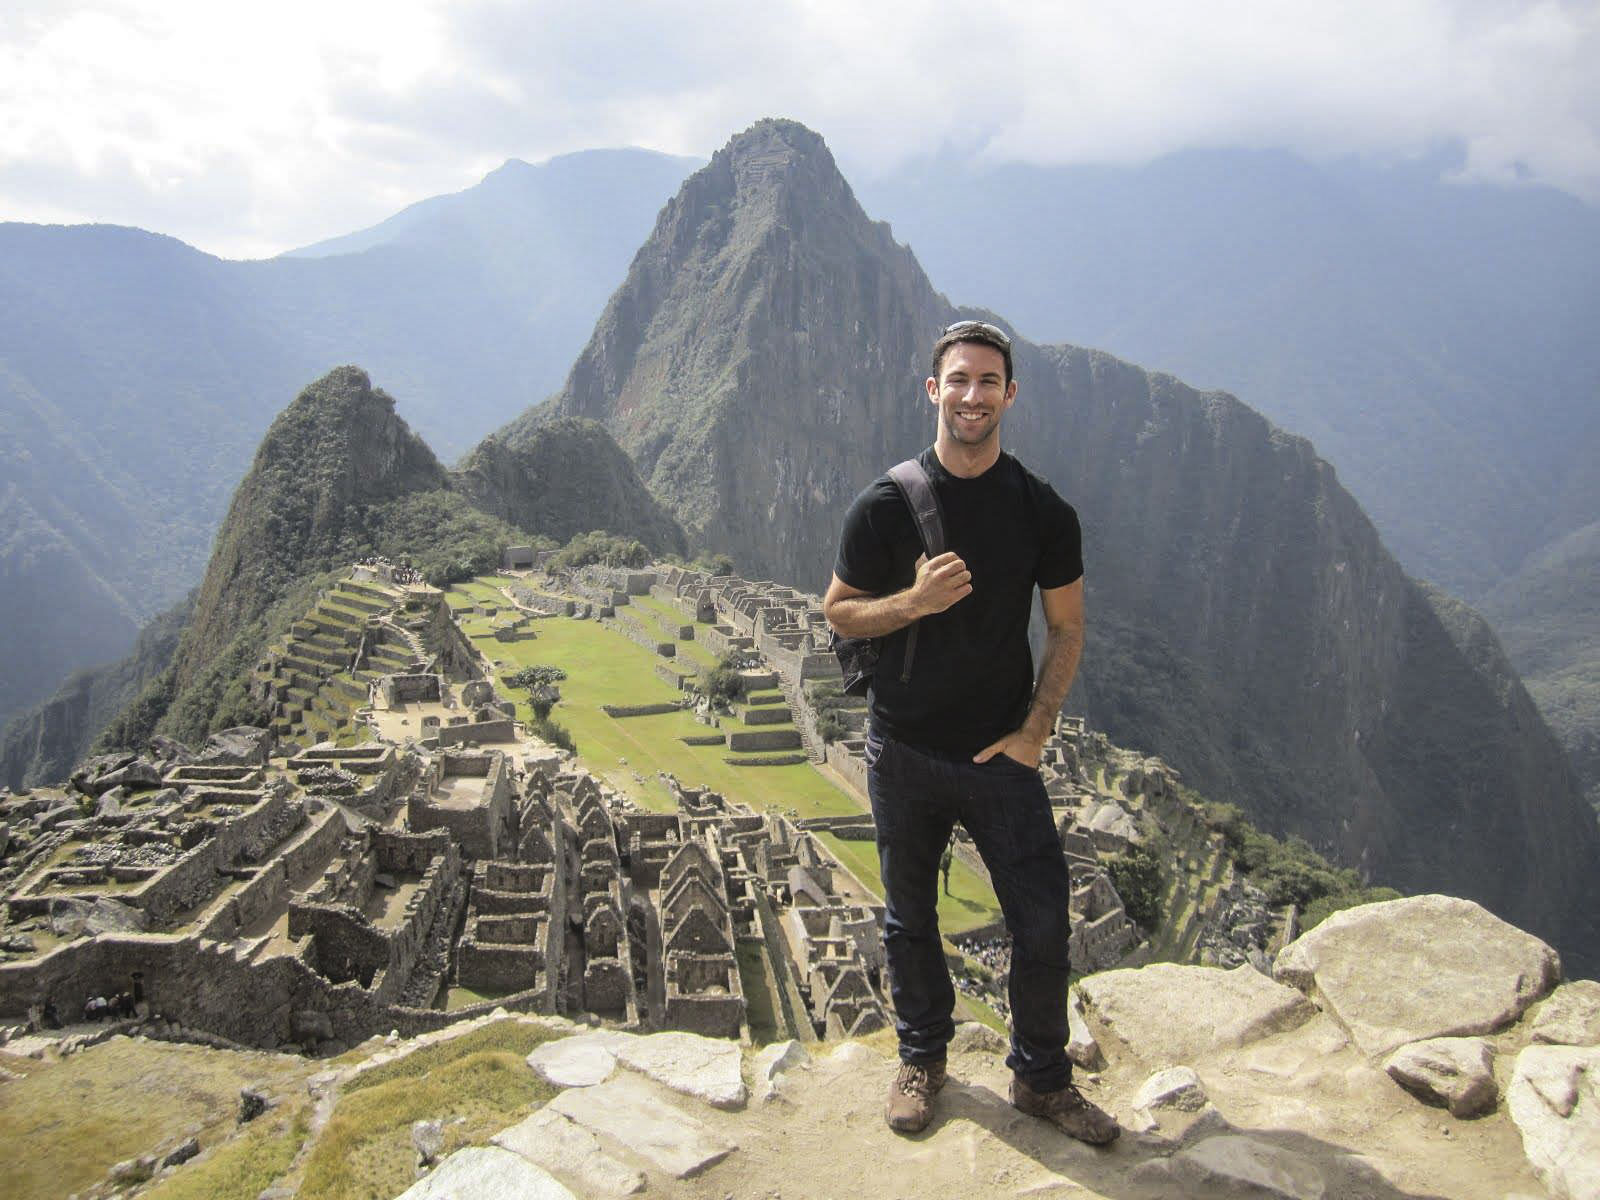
(957, 731)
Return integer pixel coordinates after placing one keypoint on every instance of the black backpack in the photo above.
(858, 657)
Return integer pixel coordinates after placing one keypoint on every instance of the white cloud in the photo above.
(246, 130)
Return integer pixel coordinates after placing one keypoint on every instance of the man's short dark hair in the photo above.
(979, 332)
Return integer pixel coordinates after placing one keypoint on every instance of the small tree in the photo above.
(1136, 875)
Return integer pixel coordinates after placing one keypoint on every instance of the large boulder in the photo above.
(1423, 967)
(113, 916)
(105, 771)
(68, 916)
(582, 1060)
(1175, 1013)
(170, 751)
(570, 1151)
(241, 746)
(1554, 1098)
(1232, 1166)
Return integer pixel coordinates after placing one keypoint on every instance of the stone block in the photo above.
(1423, 967)
(630, 1112)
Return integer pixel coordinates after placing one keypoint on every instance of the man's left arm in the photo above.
(1063, 618)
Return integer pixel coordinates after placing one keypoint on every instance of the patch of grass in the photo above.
(510, 1037)
(365, 1150)
(462, 997)
(67, 1123)
(244, 1167)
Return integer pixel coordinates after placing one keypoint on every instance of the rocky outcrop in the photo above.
(1226, 1087)
(761, 364)
(1189, 1009)
(1424, 967)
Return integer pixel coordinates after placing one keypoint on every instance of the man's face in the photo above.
(971, 392)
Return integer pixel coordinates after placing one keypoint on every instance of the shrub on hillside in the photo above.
(598, 546)
(1289, 871)
(554, 733)
(831, 726)
(1136, 875)
(723, 681)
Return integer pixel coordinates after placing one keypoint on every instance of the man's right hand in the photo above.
(941, 581)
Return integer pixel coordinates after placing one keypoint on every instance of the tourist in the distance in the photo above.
(959, 736)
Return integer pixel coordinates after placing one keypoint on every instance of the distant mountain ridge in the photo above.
(137, 374)
(761, 363)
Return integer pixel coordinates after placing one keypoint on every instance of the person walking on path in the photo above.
(957, 729)
(944, 862)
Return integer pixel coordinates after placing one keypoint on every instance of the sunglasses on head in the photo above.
(992, 330)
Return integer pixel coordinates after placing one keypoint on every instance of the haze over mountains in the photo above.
(759, 364)
(138, 374)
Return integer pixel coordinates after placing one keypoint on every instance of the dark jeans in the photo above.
(916, 799)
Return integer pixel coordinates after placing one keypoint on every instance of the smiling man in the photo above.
(959, 722)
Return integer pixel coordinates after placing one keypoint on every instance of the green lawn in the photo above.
(606, 668)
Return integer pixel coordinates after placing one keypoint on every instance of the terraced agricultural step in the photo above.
(367, 591)
(767, 714)
(359, 603)
(772, 697)
(337, 659)
(338, 618)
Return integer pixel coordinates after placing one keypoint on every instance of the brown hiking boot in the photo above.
(1068, 1110)
(911, 1096)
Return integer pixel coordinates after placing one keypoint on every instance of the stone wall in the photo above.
(763, 739)
(640, 710)
(408, 689)
(481, 732)
(849, 764)
(498, 967)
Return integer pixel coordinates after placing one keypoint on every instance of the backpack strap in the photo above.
(917, 489)
(919, 496)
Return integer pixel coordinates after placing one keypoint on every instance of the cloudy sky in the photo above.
(246, 129)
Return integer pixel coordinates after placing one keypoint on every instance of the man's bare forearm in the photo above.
(873, 616)
(1063, 647)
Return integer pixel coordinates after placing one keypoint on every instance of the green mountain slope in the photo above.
(1548, 615)
(338, 476)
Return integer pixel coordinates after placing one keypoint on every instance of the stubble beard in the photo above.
(964, 437)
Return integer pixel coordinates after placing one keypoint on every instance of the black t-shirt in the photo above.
(971, 674)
